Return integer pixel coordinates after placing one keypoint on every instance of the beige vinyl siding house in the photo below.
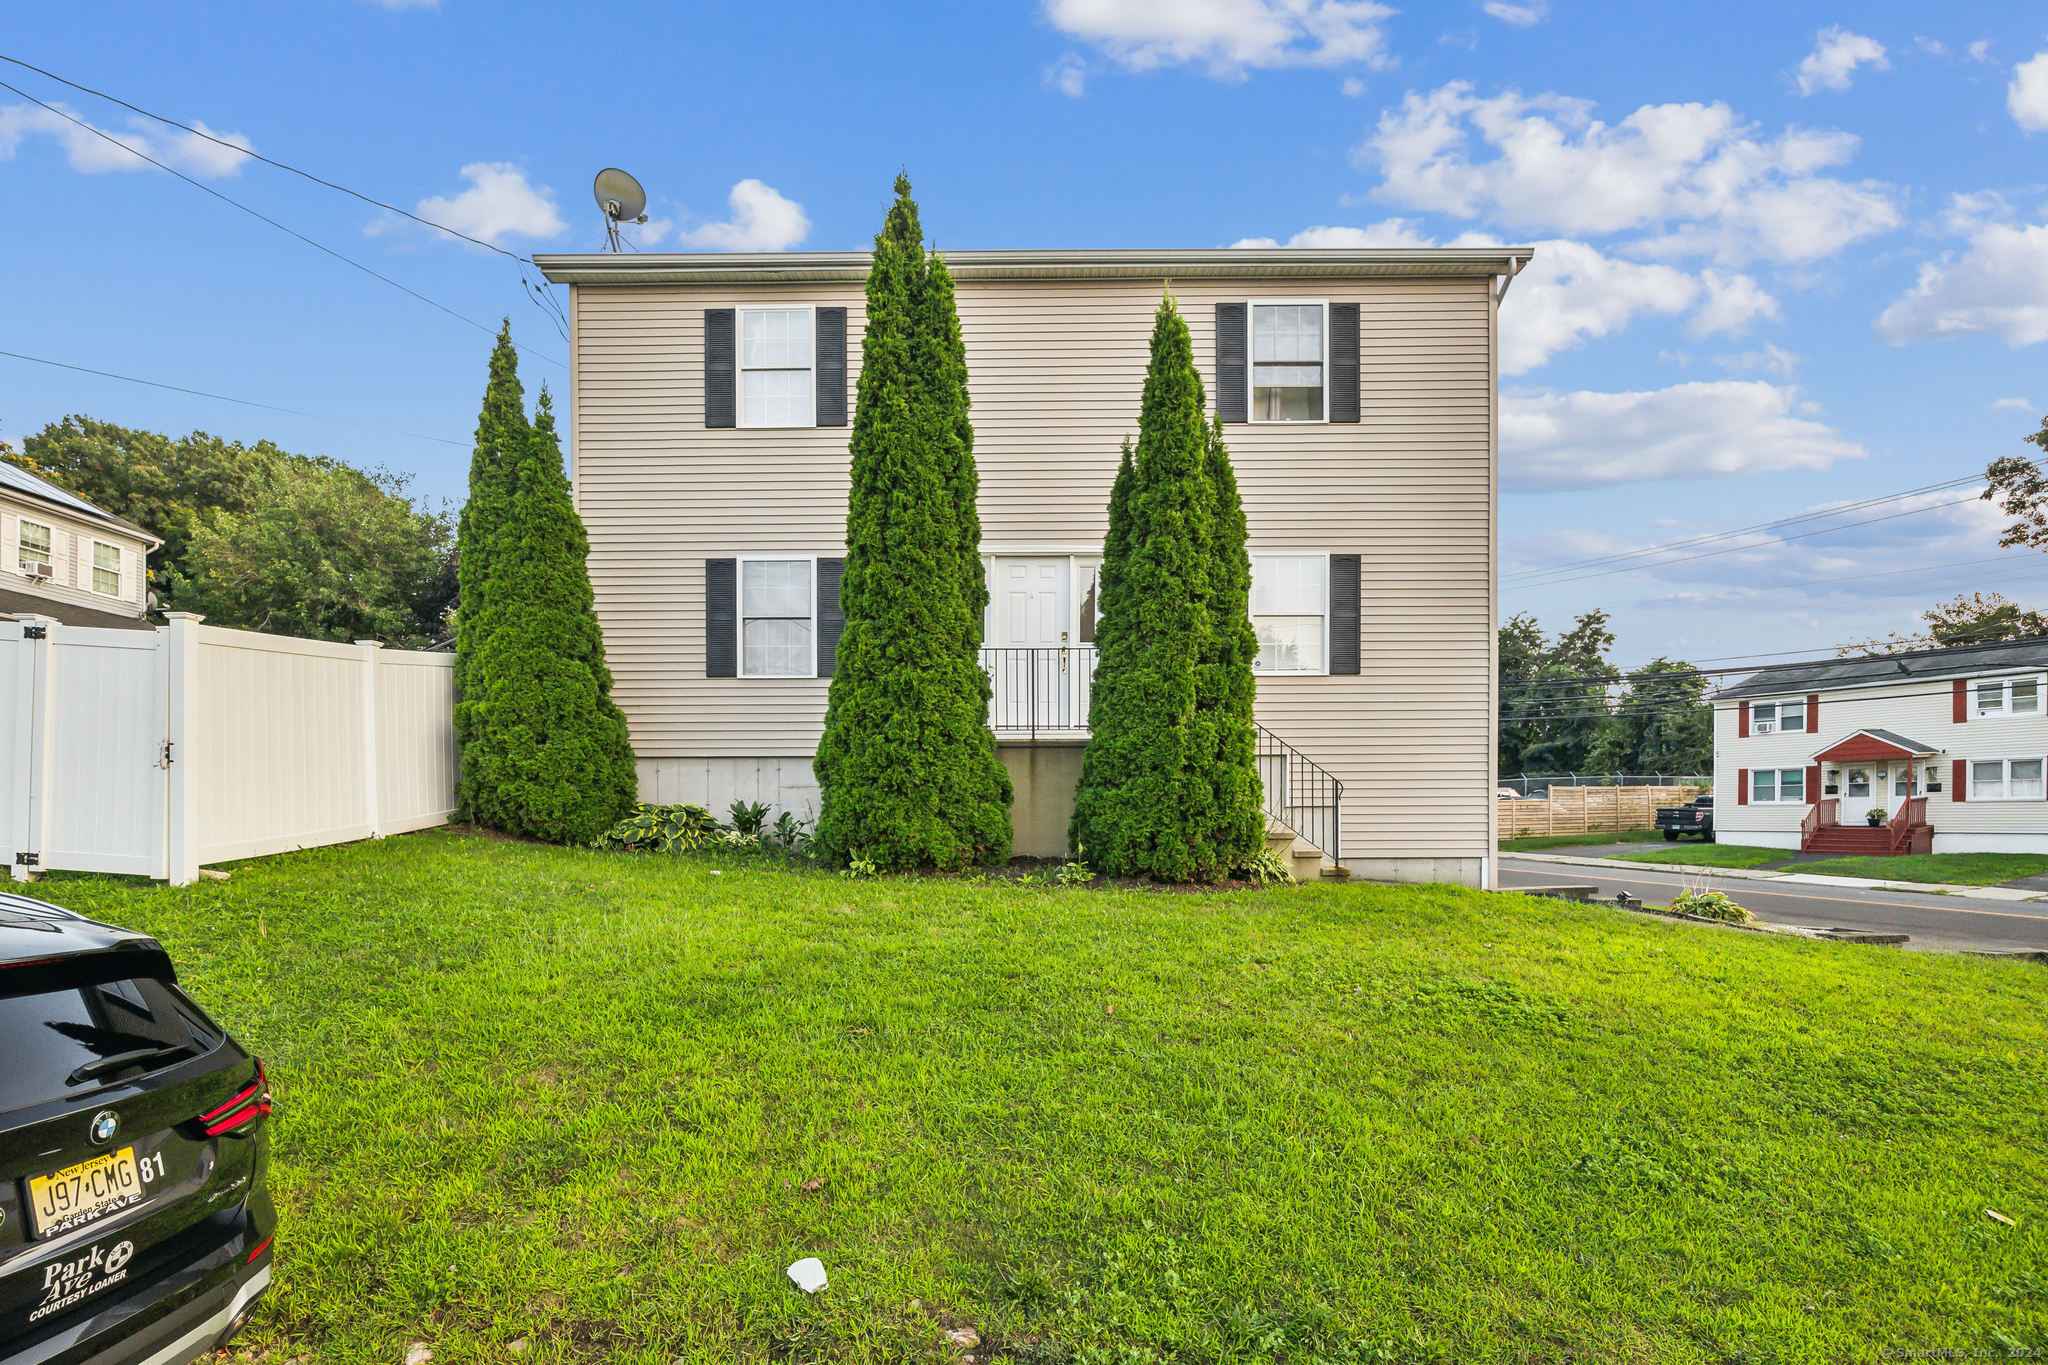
(63, 558)
(1057, 345)
(1803, 754)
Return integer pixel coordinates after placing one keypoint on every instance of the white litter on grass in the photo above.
(809, 1274)
(716, 872)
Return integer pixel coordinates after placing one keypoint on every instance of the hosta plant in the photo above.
(662, 829)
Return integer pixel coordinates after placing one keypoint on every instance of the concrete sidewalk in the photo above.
(1983, 893)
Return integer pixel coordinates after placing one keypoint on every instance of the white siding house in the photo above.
(1949, 747)
(63, 558)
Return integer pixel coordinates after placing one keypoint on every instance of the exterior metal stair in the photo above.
(1304, 810)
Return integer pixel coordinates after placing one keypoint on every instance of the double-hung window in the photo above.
(106, 568)
(32, 546)
(2000, 697)
(1290, 343)
(2006, 779)
(1290, 612)
(1772, 717)
(778, 368)
(777, 619)
(1770, 786)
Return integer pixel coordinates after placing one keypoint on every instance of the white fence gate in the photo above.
(156, 752)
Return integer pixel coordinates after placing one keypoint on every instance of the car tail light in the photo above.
(242, 1113)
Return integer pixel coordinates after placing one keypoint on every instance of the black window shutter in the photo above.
(1343, 362)
(721, 405)
(1344, 613)
(721, 618)
(1230, 362)
(831, 367)
(831, 621)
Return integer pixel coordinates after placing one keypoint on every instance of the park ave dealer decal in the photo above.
(66, 1282)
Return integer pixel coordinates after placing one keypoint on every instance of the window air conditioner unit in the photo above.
(42, 570)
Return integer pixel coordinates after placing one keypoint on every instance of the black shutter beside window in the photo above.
(831, 367)
(1231, 345)
(721, 346)
(831, 621)
(1344, 607)
(721, 618)
(1343, 362)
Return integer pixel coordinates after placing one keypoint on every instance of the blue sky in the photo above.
(1790, 254)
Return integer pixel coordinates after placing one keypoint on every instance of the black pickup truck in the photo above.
(1694, 817)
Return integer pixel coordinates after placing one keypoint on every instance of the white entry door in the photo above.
(1029, 634)
(1864, 785)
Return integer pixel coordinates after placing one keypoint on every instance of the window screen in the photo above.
(775, 620)
(1287, 362)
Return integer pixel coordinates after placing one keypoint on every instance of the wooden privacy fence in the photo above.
(1589, 810)
(154, 752)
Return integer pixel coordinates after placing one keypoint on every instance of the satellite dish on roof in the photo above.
(622, 200)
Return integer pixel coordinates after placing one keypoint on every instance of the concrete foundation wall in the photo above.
(1045, 774)
(1456, 871)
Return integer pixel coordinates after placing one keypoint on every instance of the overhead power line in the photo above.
(1751, 545)
(224, 398)
(1695, 541)
(264, 218)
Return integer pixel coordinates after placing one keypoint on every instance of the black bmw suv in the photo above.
(135, 1223)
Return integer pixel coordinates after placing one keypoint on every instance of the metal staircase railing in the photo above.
(1301, 795)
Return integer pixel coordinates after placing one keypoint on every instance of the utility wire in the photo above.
(236, 203)
(1694, 541)
(1752, 545)
(224, 398)
(537, 293)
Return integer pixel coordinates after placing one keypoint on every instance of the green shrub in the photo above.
(661, 829)
(748, 816)
(1265, 867)
(1711, 905)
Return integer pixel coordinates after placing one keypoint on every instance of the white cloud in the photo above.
(2027, 96)
(762, 220)
(1998, 286)
(1732, 302)
(1693, 172)
(1523, 15)
(1769, 359)
(1980, 51)
(1933, 47)
(1069, 76)
(499, 203)
(1228, 36)
(2011, 405)
(1352, 87)
(1390, 232)
(1553, 440)
(1836, 55)
(91, 154)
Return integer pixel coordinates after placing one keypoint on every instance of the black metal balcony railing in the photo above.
(1044, 693)
(1040, 691)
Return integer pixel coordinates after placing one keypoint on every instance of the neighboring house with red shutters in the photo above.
(1948, 747)
(709, 402)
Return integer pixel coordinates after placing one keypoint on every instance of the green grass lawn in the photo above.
(1537, 843)
(1709, 855)
(1967, 869)
(573, 1097)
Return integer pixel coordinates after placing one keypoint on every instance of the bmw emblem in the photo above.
(105, 1124)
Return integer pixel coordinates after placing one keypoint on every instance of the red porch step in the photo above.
(1850, 841)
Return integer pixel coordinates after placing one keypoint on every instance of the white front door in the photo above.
(1864, 785)
(1028, 637)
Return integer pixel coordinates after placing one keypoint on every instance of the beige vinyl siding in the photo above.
(1057, 371)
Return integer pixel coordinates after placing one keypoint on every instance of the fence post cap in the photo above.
(194, 617)
(370, 644)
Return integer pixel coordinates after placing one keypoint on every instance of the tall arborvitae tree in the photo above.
(1146, 802)
(549, 758)
(907, 767)
(501, 437)
(1229, 685)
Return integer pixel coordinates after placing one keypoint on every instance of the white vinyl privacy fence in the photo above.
(157, 752)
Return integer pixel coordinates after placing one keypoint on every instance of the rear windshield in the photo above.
(64, 1041)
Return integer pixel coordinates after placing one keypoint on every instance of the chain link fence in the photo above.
(1535, 785)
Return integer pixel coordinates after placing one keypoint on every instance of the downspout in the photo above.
(1517, 262)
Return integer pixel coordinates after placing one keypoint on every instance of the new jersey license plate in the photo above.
(73, 1195)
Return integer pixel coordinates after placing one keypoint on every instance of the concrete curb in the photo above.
(1982, 893)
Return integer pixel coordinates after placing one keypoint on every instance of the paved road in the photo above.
(1951, 922)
